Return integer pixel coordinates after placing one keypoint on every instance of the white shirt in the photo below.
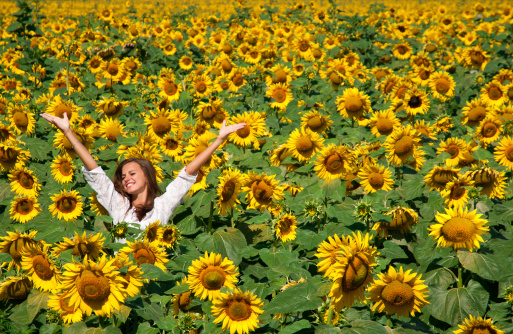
(117, 205)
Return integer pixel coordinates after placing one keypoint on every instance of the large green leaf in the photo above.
(229, 244)
(364, 327)
(481, 264)
(297, 298)
(296, 327)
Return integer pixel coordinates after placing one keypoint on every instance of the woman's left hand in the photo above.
(227, 129)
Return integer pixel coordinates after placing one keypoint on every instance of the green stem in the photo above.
(389, 321)
(67, 71)
(330, 314)
(231, 218)
(456, 279)
(460, 277)
(274, 246)
(210, 217)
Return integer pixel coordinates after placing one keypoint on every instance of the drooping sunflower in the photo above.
(133, 277)
(489, 130)
(93, 286)
(375, 177)
(262, 190)
(11, 155)
(22, 120)
(352, 272)
(237, 311)
(285, 227)
(398, 292)
(111, 107)
(402, 220)
(37, 263)
(182, 301)
(24, 208)
(455, 192)
(248, 135)
(455, 147)
(111, 128)
(402, 145)
(81, 246)
(473, 325)
(61, 304)
(147, 252)
(492, 182)
(384, 123)
(6, 134)
(459, 228)
(316, 122)
(228, 190)
(503, 153)
(442, 86)
(281, 95)
(14, 243)
(63, 168)
(24, 182)
(303, 144)
(207, 275)
(15, 287)
(438, 177)
(66, 205)
(493, 93)
(417, 102)
(353, 103)
(328, 251)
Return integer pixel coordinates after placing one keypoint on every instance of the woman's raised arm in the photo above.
(80, 149)
(194, 166)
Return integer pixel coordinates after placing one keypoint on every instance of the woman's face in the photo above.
(133, 178)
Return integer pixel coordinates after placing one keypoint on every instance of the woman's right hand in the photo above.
(61, 123)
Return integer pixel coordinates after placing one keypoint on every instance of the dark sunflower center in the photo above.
(376, 180)
(477, 114)
(354, 105)
(453, 150)
(494, 93)
(400, 219)
(16, 246)
(415, 102)
(304, 46)
(239, 310)
(64, 303)
(170, 88)
(201, 87)
(42, 267)
(458, 229)
(161, 125)
(82, 249)
(238, 80)
(404, 145)
(384, 126)
(19, 289)
(477, 58)
(24, 207)
(457, 192)
(228, 190)
(334, 163)
(112, 69)
(169, 235)
(262, 191)
(442, 177)
(144, 256)
(65, 168)
(93, 286)
(335, 78)
(280, 76)
(3, 107)
(26, 180)
(67, 204)
(489, 130)
(20, 119)
(482, 329)
(212, 278)
(61, 109)
(402, 49)
(280, 95)
(316, 122)
(442, 85)
(397, 293)
(356, 273)
(8, 154)
(244, 132)
(111, 108)
(171, 144)
(284, 226)
(187, 61)
(509, 153)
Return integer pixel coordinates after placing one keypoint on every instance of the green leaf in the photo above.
(364, 327)
(153, 272)
(145, 328)
(327, 329)
(167, 324)
(77, 328)
(178, 289)
(111, 330)
(483, 265)
(36, 301)
(14, 27)
(229, 244)
(297, 298)
(296, 327)
(393, 251)
(439, 277)
(38, 148)
(482, 154)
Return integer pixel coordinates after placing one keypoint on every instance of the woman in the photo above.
(133, 196)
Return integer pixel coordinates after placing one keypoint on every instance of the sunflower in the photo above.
(455, 147)
(63, 168)
(278, 74)
(398, 292)
(81, 246)
(88, 124)
(384, 123)
(14, 243)
(475, 111)
(110, 107)
(402, 145)
(207, 275)
(11, 156)
(236, 79)
(37, 262)
(161, 122)
(62, 142)
(94, 286)
(113, 70)
(438, 177)
(442, 86)
(198, 145)
(328, 251)
(202, 85)
(248, 135)
(417, 102)
(303, 144)
(61, 304)
(262, 190)
(286, 227)
(455, 192)
(24, 208)
(492, 182)
(22, 120)
(15, 287)
(6, 134)
(182, 301)
(473, 325)
(237, 311)
(151, 232)
(459, 228)
(59, 106)
(212, 113)
(493, 94)
(171, 146)
(353, 103)
(474, 57)
(66, 205)
(352, 271)
(400, 89)
(402, 220)
(96, 64)
(281, 95)
(24, 182)
(133, 277)
(402, 50)
(169, 89)
(147, 252)
(489, 130)
(375, 177)
(228, 190)
(503, 153)
(315, 122)
(111, 128)
(168, 236)
(303, 45)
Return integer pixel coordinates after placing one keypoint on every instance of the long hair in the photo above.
(153, 188)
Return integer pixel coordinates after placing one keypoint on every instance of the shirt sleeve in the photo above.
(174, 194)
(106, 194)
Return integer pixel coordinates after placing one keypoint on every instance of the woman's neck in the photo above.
(139, 199)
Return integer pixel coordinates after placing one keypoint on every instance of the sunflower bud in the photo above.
(363, 211)
(508, 294)
(120, 230)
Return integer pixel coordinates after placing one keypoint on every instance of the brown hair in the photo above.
(153, 187)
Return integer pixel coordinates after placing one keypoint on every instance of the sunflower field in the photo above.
(370, 190)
